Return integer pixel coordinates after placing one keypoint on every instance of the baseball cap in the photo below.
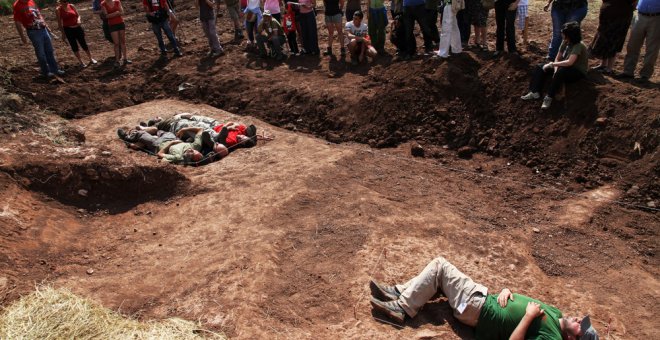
(267, 13)
(587, 330)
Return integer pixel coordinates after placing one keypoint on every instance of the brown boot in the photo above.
(391, 309)
(383, 292)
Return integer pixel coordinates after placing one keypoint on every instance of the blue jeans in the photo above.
(43, 48)
(158, 27)
(559, 18)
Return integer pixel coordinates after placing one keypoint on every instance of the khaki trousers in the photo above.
(643, 28)
(464, 295)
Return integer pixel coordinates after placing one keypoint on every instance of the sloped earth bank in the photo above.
(279, 241)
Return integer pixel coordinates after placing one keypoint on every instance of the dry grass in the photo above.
(50, 313)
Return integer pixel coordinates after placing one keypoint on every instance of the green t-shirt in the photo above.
(375, 4)
(579, 49)
(176, 151)
(269, 28)
(497, 323)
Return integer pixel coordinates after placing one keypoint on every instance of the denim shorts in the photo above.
(333, 19)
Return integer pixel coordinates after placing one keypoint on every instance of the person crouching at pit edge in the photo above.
(359, 44)
(571, 64)
(158, 13)
(270, 32)
(495, 317)
(68, 21)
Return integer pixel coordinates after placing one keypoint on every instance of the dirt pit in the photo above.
(101, 186)
(280, 240)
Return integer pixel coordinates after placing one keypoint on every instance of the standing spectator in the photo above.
(415, 10)
(479, 19)
(613, 23)
(68, 21)
(96, 9)
(563, 11)
(377, 18)
(158, 14)
(463, 20)
(308, 28)
(174, 21)
(333, 18)
(235, 14)
(522, 17)
(113, 10)
(290, 27)
(450, 34)
(358, 40)
(274, 7)
(397, 30)
(27, 15)
(252, 19)
(505, 17)
(569, 66)
(431, 14)
(646, 27)
(351, 7)
(270, 32)
(207, 18)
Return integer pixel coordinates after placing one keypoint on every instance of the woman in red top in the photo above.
(113, 12)
(68, 22)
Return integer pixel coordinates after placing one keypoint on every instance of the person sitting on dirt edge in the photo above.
(570, 65)
(270, 32)
(494, 316)
(179, 152)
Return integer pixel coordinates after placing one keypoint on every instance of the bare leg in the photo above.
(122, 39)
(525, 32)
(77, 54)
(117, 43)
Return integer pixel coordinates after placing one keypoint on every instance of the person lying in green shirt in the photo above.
(494, 316)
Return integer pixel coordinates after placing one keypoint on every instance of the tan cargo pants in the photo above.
(464, 295)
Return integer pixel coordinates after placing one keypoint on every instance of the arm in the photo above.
(21, 32)
(566, 63)
(504, 296)
(166, 149)
(547, 6)
(532, 312)
(514, 5)
(60, 25)
(195, 130)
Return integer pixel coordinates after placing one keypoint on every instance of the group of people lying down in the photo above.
(186, 138)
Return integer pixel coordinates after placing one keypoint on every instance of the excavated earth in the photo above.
(279, 241)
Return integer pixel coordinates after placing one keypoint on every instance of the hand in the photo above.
(548, 66)
(504, 297)
(546, 7)
(513, 6)
(533, 310)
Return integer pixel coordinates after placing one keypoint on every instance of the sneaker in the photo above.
(547, 101)
(531, 96)
(644, 79)
(251, 132)
(497, 53)
(122, 134)
(127, 61)
(222, 136)
(390, 308)
(93, 61)
(178, 53)
(207, 141)
(342, 52)
(383, 292)
(328, 52)
(116, 65)
(217, 53)
(59, 72)
(83, 65)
